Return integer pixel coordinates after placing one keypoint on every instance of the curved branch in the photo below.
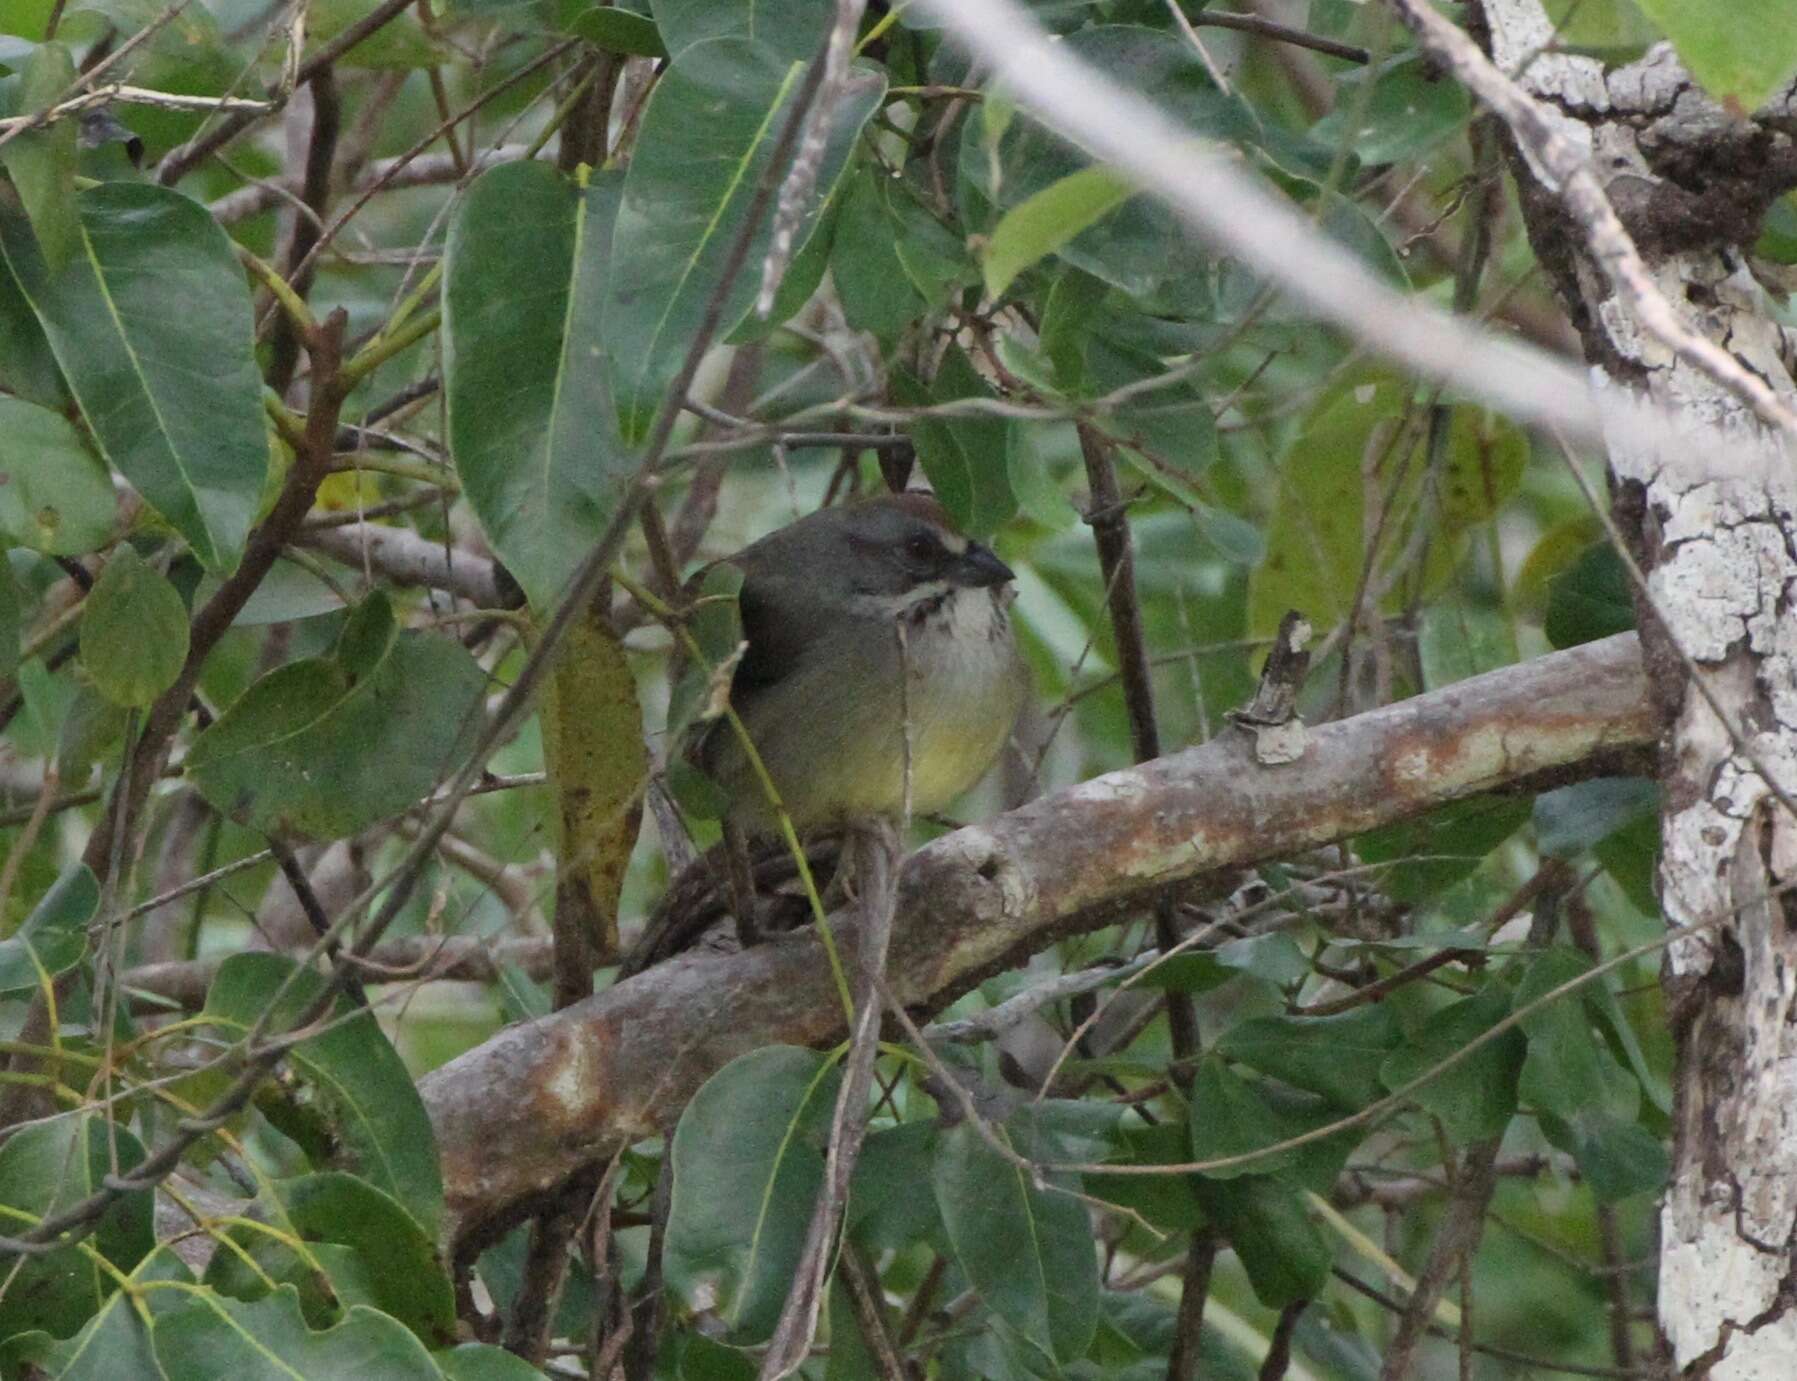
(516, 1116)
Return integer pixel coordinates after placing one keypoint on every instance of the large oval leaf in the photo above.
(133, 631)
(49, 1166)
(385, 1259)
(1028, 1252)
(325, 746)
(191, 440)
(55, 495)
(790, 29)
(747, 1168)
(707, 134)
(366, 1115)
(532, 426)
(219, 1339)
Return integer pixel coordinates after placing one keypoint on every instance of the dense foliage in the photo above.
(526, 214)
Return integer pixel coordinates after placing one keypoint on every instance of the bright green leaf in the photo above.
(1742, 53)
(392, 1260)
(1041, 223)
(484, 1362)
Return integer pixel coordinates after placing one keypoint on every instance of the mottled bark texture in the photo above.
(516, 1117)
(1691, 181)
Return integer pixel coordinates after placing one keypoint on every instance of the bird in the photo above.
(879, 646)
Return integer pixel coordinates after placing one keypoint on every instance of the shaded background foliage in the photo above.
(523, 211)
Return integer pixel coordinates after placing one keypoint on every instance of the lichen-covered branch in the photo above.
(1691, 180)
(520, 1114)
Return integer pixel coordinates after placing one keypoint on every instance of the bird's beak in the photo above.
(978, 566)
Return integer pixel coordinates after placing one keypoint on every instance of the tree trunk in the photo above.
(1719, 551)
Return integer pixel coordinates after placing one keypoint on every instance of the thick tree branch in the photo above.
(520, 1114)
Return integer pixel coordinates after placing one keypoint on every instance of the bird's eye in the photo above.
(920, 547)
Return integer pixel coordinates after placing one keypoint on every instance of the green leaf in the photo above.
(891, 261)
(1742, 54)
(618, 31)
(706, 136)
(1409, 111)
(386, 1248)
(1587, 1102)
(192, 441)
(41, 162)
(1286, 1256)
(55, 495)
(788, 29)
(1591, 600)
(1366, 435)
(133, 631)
(1044, 221)
(116, 1342)
(49, 1166)
(1164, 1200)
(91, 728)
(964, 457)
(27, 366)
(398, 45)
(1430, 854)
(748, 1164)
(218, 1339)
(321, 749)
(1337, 1057)
(1477, 1097)
(532, 425)
(52, 939)
(1228, 1118)
(484, 1362)
(12, 618)
(1140, 247)
(885, 1210)
(1618, 1159)
(375, 1123)
(1027, 1252)
(1583, 815)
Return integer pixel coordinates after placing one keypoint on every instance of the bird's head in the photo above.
(883, 554)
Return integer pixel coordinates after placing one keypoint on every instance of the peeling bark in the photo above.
(1690, 181)
(516, 1117)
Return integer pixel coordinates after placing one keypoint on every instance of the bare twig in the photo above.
(127, 95)
(874, 851)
